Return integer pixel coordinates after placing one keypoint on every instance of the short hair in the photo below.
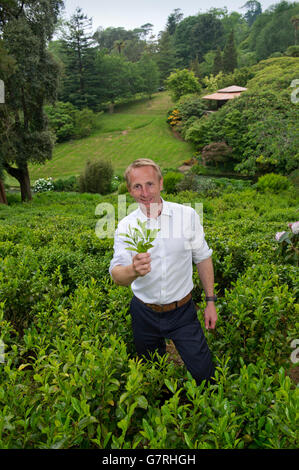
(139, 163)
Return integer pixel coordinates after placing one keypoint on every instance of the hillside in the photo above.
(135, 130)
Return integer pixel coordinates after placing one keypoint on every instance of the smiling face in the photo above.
(145, 187)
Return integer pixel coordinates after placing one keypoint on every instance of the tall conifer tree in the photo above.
(230, 62)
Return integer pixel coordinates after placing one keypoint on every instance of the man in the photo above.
(161, 279)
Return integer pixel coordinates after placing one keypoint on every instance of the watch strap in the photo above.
(212, 298)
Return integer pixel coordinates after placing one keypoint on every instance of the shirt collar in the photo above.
(166, 210)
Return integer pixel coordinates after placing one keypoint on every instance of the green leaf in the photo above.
(86, 421)
(142, 402)
(148, 429)
(76, 404)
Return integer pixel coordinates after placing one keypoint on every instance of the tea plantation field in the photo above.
(69, 376)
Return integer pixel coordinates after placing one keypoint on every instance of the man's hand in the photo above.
(142, 263)
(210, 316)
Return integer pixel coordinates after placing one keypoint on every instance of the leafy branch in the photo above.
(140, 238)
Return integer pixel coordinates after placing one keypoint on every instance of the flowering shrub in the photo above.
(288, 243)
(43, 184)
(174, 118)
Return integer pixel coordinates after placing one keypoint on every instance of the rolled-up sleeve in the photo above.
(200, 248)
(121, 256)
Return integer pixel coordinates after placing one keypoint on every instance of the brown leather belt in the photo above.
(171, 306)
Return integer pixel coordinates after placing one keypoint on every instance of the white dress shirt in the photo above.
(179, 242)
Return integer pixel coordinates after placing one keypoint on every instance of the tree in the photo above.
(218, 62)
(207, 34)
(254, 9)
(26, 27)
(295, 23)
(173, 20)
(79, 57)
(7, 67)
(272, 31)
(117, 78)
(149, 73)
(230, 62)
(182, 82)
(165, 56)
(197, 35)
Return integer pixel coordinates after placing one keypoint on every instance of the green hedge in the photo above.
(71, 379)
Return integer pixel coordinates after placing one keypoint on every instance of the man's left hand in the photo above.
(210, 316)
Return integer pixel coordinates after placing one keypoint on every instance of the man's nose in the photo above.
(144, 191)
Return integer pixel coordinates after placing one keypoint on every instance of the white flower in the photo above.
(279, 235)
(295, 227)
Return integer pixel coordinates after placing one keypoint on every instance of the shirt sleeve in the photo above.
(121, 256)
(199, 246)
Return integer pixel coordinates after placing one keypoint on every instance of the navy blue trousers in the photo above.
(150, 328)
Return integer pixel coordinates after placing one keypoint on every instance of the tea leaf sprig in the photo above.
(140, 238)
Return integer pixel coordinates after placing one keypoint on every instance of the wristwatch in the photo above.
(213, 298)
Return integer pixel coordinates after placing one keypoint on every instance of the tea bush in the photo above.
(272, 182)
(170, 181)
(70, 376)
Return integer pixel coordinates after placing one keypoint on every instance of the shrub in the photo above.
(191, 105)
(182, 82)
(272, 182)
(84, 123)
(216, 152)
(170, 180)
(97, 177)
(68, 122)
(43, 184)
(122, 188)
(67, 184)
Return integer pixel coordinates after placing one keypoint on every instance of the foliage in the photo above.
(272, 31)
(182, 82)
(43, 184)
(96, 177)
(272, 182)
(149, 74)
(229, 59)
(215, 153)
(25, 28)
(196, 35)
(190, 105)
(121, 137)
(287, 248)
(170, 181)
(67, 122)
(78, 54)
(66, 184)
(70, 376)
(140, 238)
(260, 127)
(188, 108)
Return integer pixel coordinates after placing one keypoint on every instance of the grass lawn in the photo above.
(135, 130)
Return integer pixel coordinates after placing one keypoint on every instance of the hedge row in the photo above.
(70, 376)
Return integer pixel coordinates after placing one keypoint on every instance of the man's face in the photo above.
(145, 186)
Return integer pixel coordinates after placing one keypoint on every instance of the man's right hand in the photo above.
(142, 263)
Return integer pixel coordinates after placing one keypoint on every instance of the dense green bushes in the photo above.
(96, 177)
(67, 122)
(255, 133)
(71, 379)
